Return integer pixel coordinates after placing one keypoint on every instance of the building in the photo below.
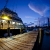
(10, 19)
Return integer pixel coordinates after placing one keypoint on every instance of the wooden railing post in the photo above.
(41, 34)
(39, 39)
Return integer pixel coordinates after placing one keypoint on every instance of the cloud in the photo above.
(28, 17)
(38, 7)
(31, 17)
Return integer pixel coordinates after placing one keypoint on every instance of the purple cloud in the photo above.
(28, 17)
(38, 7)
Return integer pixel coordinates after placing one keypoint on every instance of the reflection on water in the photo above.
(46, 43)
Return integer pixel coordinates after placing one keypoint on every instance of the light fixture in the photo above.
(5, 17)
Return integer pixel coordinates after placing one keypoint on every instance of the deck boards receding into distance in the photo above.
(24, 41)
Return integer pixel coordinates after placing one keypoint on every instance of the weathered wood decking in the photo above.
(24, 41)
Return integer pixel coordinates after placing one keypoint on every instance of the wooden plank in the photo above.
(1, 48)
(18, 43)
(19, 46)
(4, 46)
(9, 47)
(24, 41)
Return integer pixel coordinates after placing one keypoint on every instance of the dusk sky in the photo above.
(28, 10)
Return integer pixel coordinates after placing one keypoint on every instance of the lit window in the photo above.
(13, 22)
(20, 23)
(3, 20)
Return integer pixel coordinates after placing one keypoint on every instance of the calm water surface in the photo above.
(46, 43)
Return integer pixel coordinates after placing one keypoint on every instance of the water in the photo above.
(46, 42)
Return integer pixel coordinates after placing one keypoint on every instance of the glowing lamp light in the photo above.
(5, 18)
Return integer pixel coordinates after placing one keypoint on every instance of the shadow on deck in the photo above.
(12, 31)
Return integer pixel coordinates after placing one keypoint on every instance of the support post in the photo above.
(8, 31)
(41, 35)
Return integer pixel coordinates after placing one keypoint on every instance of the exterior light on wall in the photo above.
(5, 17)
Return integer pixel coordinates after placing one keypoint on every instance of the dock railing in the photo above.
(39, 39)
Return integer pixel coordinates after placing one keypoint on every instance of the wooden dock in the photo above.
(24, 41)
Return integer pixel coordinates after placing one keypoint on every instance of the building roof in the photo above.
(8, 11)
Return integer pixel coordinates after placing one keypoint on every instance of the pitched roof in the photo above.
(9, 11)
